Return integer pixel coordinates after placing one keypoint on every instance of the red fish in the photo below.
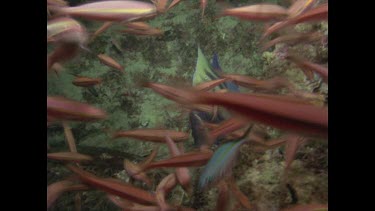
(138, 25)
(110, 62)
(164, 187)
(135, 170)
(173, 3)
(86, 81)
(101, 29)
(283, 112)
(306, 65)
(66, 30)
(149, 32)
(252, 83)
(55, 190)
(69, 156)
(191, 159)
(118, 188)
(182, 174)
(320, 13)
(293, 39)
(259, 12)
(153, 135)
(307, 207)
(301, 6)
(62, 53)
(109, 10)
(60, 108)
(205, 86)
(203, 5)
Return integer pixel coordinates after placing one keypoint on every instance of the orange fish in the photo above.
(118, 188)
(110, 62)
(153, 135)
(86, 81)
(60, 108)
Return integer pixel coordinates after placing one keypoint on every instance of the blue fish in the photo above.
(221, 162)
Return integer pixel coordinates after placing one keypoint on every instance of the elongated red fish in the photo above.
(320, 13)
(86, 81)
(164, 187)
(60, 3)
(307, 207)
(271, 84)
(148, 32)
(138, 25)
(285, 113)
(301, 6)
(60, 108)
(293, 39)
(135, 170)
(101, 29)
(62, 53)
(66, 30)
(55, 190)
(174, 3)
(121, 189)
(191, 159)
(259, 12)
(205, 86)
(203, 5)
(110, 10)
(227, 127)
(153, 135)
(110, 62)
(306, 65)
(69, 156)
(182, 173)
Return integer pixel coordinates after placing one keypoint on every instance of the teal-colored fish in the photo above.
(221, 162)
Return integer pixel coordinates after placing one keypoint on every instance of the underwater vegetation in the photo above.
(138, 117)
